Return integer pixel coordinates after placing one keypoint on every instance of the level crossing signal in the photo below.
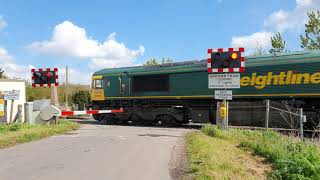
(226, 60)
(44, 77)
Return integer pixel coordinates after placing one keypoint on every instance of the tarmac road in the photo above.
(96, 152)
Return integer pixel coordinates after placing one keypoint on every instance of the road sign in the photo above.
(224, 81)
(12, 95)
(223, 94)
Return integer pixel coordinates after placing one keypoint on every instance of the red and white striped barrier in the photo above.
(72, 113)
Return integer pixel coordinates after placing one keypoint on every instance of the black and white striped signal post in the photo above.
(224, 68)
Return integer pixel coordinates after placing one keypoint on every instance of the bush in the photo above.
(81, 98)
(291, 158)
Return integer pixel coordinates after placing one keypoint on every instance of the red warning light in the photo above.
(49, 74)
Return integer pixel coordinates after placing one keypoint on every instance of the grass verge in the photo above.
(291, 158)
(218, 158)
(12, 134)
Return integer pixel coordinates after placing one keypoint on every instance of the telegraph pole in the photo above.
(66, 87)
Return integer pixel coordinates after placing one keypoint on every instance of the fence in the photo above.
(281, 115)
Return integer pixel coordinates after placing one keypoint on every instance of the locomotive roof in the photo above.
(201, 65)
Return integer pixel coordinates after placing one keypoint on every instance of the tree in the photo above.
(82, 98)
(2, 74)
(258, 51)
(30, 93)
(166, 60)
(151, 62)
(311, 39)
(278, 44)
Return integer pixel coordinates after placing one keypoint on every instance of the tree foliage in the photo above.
(258, 51)
(151, 62)
(311, 39)
(2, 74)
(30, 93)
(82, 98)
(154, 61)
(166, 60)
(278, 44)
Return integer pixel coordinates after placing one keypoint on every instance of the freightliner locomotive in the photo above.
(178, 92)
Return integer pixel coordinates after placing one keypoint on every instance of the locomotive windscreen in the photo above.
(151, 83)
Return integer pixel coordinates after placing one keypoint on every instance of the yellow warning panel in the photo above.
(223, 112)
(1, 107)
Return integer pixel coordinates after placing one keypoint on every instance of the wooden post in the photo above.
(11, 111)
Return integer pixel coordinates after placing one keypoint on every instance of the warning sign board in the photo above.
(224, 81)
(12, 95)
(223, 94)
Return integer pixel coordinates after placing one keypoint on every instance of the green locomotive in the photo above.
(178, 92)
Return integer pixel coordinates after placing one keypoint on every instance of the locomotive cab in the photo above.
(97, 89)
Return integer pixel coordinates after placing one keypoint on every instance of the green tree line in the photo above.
(310, 40)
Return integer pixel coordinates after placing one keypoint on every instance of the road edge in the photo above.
(178, 165)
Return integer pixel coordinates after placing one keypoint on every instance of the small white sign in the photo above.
(224, 81)
(223, 94)
(12, 95)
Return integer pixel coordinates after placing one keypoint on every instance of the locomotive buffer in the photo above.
(224, 68)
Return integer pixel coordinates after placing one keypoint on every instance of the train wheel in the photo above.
(96, 117)
(135, 119)
(108, 119)
(167, 120)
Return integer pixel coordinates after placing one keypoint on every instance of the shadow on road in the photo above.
(94, 122)
(157, 135)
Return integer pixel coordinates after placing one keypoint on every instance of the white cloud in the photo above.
(250, 42)
(282, 21)
(72, 41)
(74, 76)
(13, 70)
(3, 23)
(17, 71)
(5, 57)
(291, 20)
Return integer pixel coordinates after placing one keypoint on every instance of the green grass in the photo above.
(216, 158)
(291, 158)
(12, 134)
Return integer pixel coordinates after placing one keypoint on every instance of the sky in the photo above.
(91, 35)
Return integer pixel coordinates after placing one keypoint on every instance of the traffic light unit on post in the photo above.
(44, 78)
(226, 60)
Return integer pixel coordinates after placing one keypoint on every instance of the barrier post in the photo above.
(267, 114)
(301, 122)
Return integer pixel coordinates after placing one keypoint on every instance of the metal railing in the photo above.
(302, 117)
(278, 115)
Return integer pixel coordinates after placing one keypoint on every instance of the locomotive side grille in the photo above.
(149, 83)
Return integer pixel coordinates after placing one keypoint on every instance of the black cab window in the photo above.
(97, 84)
